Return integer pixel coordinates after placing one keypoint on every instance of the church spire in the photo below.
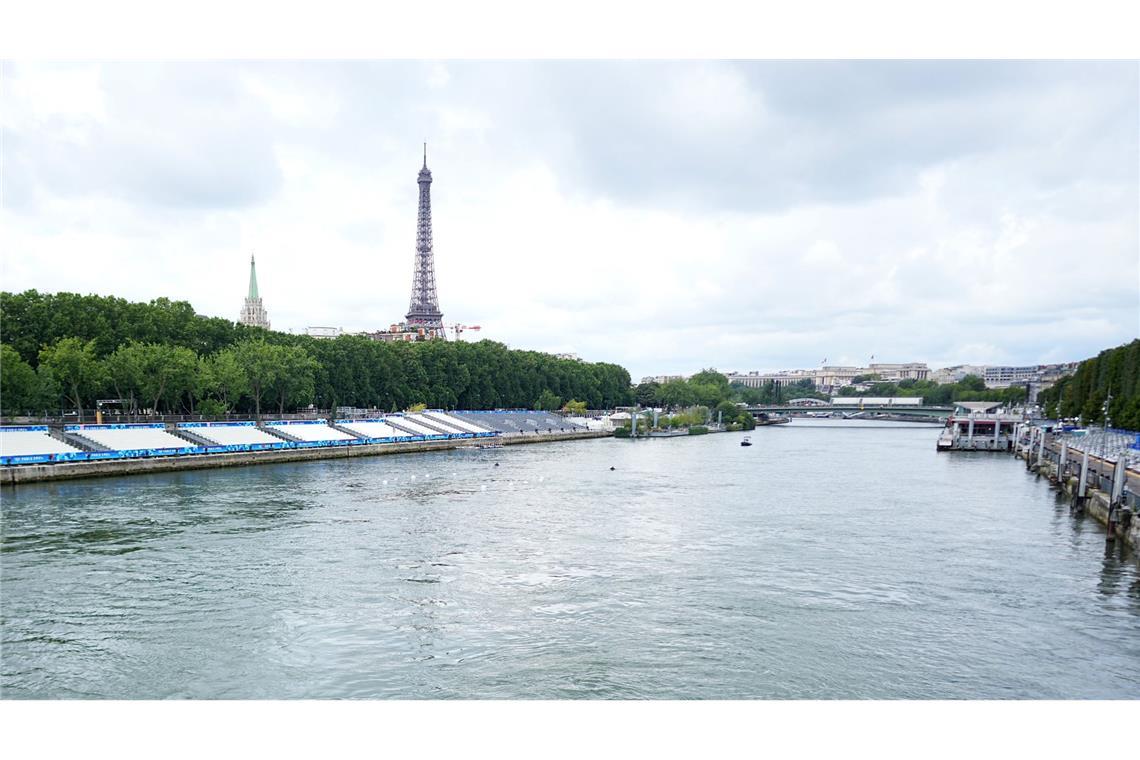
(253, 310)
(252, 278)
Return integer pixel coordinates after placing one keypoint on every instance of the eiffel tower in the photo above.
(424, 313)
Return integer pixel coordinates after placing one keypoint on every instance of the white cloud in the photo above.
(664, 216)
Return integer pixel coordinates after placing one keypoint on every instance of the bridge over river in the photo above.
(918, 413)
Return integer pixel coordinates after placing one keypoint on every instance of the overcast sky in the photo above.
(666, 216)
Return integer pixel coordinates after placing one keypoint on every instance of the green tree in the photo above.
(168, 372)
(710, 377)
(677, 394)
(19, 386)
(646, 393)
(727, 410)
(124, 369)
(226, 379)
(547, 401)
(577, 408)
(260, 362)
(293, 382)
(72, 363)
(972, 383)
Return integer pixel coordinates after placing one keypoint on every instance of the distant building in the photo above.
(325, 333)
(253, 311)
(779, 379)
(828, 379)
(1003, 377)
(402, 331)
(896, 372)
(662, 379)
(1035, 377)
(956, 373)
(570, 357)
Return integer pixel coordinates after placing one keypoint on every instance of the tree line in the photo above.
(1114, 371)
(710, 388)
(969, 388)
(67, 350)
(706, 391)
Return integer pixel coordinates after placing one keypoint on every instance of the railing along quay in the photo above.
(1092, 464)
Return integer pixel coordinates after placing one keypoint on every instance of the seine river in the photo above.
(829, 560)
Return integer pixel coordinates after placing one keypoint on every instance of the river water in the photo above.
(829, 560)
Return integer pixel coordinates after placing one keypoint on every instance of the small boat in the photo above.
(747, 441)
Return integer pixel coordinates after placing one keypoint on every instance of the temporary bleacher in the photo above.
(136, 437)
(453, 422)
(407, 423)
(310, 431)
(521, 421)
(440, 426)
(30, 443)
(230, 433)
(372, 428)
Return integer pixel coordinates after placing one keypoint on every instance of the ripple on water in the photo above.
(695, 569)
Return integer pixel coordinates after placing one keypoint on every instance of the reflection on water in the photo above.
(838, 560)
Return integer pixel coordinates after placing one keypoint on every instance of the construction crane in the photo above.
(457, 330)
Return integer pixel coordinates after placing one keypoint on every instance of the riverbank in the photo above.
(37, 473)
(1096, 504)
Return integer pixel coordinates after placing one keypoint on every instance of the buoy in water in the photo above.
(613, 468)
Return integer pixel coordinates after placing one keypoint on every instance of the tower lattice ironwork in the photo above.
(424, 309)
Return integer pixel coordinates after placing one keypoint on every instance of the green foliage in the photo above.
(972, 383)
(577, 408)
(1115, 371)
(258, 361)
(416, 408)
(676, 393)
(225, 378)
(970, 388)
(622, 432)
(72, 363)
(771, 393)
(212, 408)
(646, 393)
(547, 401)
(293, 382)
(124, 370)
(710, 377)
(19, 385)
(698, 430)
(727, 410)
(113, 342)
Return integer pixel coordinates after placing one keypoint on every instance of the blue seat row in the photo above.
(90, 456)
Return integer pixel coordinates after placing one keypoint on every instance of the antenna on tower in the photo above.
(425, 155)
